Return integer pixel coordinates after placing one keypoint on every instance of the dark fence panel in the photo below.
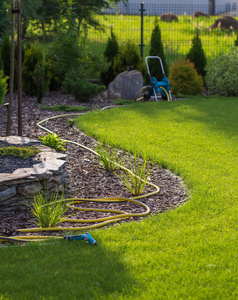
(125, 21)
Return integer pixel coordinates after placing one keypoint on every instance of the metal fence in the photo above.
(136, 22)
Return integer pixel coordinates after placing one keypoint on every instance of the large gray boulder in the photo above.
(126, 85)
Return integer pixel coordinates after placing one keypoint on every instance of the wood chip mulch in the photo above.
(86, 178)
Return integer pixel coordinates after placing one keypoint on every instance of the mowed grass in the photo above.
(186, 253)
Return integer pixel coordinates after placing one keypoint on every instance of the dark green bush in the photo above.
(197, 55)
(222, 74)
(3, 87)
(110, 52)
(236, 40)
(1, 61)
(6, 57)
(184, 78)
(35, 73)
(157, 49)
(64, 55)
(81, 89)
(128, 57)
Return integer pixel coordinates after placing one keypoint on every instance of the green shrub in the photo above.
(6, 57)
(81, 89)
(41, 79)
(222, 74)
(236, 40)
(110, 52)
(128, 57)
(53, 141)
(3, 87)
(1, 61)
(65, 54)
(197, 55)
(184, 78)
(157, 49)
(35, 73)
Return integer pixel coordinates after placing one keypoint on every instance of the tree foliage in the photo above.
(4, 20)
(110, 53)
(3, 87)
(157, 49)
(197, 54)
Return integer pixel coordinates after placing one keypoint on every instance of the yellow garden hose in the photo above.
(144, 88)
(71, 201)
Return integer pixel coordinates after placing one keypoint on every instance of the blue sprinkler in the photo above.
(86, 237)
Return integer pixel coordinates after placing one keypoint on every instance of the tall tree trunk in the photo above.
(9, 116)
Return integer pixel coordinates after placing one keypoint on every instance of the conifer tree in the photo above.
(197, 54)
(157, 49)
(236, 40)
(110, 52)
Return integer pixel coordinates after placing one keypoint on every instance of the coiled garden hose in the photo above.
(138, 97)
(71, 201)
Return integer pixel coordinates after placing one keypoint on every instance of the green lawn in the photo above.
(187, 253)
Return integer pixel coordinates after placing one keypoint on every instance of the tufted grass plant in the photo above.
(48, 208)
(135, 176)
(107, 156)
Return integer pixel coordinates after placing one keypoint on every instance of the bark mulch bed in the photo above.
(86, 178)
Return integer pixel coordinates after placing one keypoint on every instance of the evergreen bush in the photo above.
(81, 89)
(157, 49)
(236, 40)
(35, 73)
(1, 62)
(64, 55)
(6, 57)
(110, 52)
(128, 57)
(184, 78)
(3, 87)
(222, 74)
(197, 55)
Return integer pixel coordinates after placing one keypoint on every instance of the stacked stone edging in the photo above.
(19, 187)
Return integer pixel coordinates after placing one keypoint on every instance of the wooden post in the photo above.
(11, 85)
(19, 69)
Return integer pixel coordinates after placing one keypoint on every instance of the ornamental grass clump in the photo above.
(48, 209)
(135, 177)
(107, 156)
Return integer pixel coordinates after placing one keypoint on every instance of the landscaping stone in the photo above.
(126, 85)
(18, 188)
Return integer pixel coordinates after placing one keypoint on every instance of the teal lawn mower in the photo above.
(156, 89)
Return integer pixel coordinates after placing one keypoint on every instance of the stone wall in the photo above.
(19, 187)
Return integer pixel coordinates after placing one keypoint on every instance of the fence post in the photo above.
(142, 28)
(211, 7)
